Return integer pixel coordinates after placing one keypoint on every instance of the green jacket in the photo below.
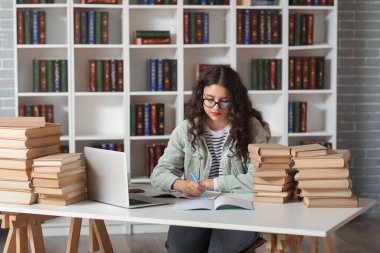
(179, 159)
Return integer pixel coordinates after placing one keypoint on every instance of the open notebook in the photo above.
(220, 203)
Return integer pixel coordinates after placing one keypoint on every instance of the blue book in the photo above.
(57, 76)
(316, 2)
(146, 119)
(206, 27)
(143, 1)
(103, 146)
(152, 75)
(35, 27)
(113, 76)
(203, 2)
(160, 75)
(91, 27)
(112, 146)
(290, 117)
(247, 27)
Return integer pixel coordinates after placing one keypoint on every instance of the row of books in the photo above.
(35, 1)
(258, 27)
(110, 146)
(297, 117)
(21, 141)
(101, 1)
(311, 2)
(91, 27)
(59, 179)
(266, 74)
(162, 75)
(152, 37)
(199, 68)
(301, 29)
(50, 75)
(153, 153)
(106, 75)
(208, 2)
(31, 26)
(196, 27)
(157, 2)
(37, 110)
(147, 119)
(255, 2)
(306, 72)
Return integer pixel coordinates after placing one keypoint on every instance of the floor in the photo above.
(359, 236)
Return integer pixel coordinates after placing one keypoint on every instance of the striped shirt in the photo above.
(215, 141)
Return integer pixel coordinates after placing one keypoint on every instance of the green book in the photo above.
(173, 75)
(27, 27)
(152, 34)
(64, 82)
(98, 27)
(49, 76)
(99, 75)
(133, 119)
(260, 73)
(192, 21)
(297, 30)
(279, 74)
(296, 117)
(254, 75)
(36, 75)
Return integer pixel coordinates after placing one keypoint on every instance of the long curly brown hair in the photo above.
(240, 110)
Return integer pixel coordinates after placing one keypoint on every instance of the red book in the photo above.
(298, 73)
(166, 63)
(276, 30)
(157, 153)
(313, 73)
(21, 110)
(50, 113)
(291, 29)
(120, 147)
(92, 75)
(186, 28)
(43, 111)
(292, 73)
(43, 77)
(36, 110)
(239, 24)
(198, 27)
(254, 27)
(310, 29)
(77, 27)
(305, 73)
(140, 119)
(303, 116)
(20, 27)
(153, 119)
(107, 75)
(104, 27)
(272, 74)
(42, 24)
(120, 70)
(147, 41)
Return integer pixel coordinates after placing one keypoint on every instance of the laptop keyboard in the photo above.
(133, 202)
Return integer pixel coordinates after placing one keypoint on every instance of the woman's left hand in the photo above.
(208, 184)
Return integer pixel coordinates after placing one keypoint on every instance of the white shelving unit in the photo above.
(90, 117)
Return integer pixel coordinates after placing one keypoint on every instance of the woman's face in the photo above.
(216, 103)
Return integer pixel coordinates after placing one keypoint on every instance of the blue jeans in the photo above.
(193, 240)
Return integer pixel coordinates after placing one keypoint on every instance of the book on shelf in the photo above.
(334, 159)
(153, 152)
(28, 153)
(13, 164)
(301, 29)
(91, 27)
(220, 203)
(255, 2)
(144, 118)
(60, 191)
(269, 149)
(12, 185)
(106, 75)
(308, 150)
(273, 188)
(273, 180)
(58, 175)
(325, 193)
(31, 27)
(306, 72)
(348, 202)
(208, 2)
(6, 121)
(35, 1)
(58, 168)
(268, 199)
(30, 143)
(318, 173)
(57, 159)
(314, 2)
(58, 183)
(266, 74)
(324, 143)
(18, 197)
(16, 175)
(152, 37)
(37, 110)
(325, 183)
(297, 116)
(274, 173)
(23, 133)
(196, 27)
(162, 75)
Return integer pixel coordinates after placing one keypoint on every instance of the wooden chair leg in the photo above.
(94, 245)
(102, 235)
(35, 236)
(21, 240)
(314, 244)
(293, 242)
(329, 244)
(10, 243)
(74, 235)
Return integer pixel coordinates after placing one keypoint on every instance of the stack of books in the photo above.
(22, 140)
(323, 180)
(60, 179)
(273, 180)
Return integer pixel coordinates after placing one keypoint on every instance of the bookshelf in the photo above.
(93, 117)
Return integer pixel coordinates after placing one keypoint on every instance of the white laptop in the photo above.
(107, 180)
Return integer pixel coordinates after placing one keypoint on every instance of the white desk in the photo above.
(289, 219)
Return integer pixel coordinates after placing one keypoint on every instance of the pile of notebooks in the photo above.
(323, 176)
(22, 140)
(273, 179)
(60, 179)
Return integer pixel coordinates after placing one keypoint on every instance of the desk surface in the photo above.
(291, 218)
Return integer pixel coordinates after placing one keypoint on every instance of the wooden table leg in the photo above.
(102, 235)
(22, 240)
(10, 243)
(35, 236)
(281, 244)
(314, 244)
(271, 242)
(94, 245)
(74, 235)
(329, 244)
(294, 243)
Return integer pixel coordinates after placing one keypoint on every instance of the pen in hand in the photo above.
(197, 181)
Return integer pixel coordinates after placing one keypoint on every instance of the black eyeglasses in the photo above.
(210, 103)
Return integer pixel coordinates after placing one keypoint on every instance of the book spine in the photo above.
(113, 76)
(313, 73)
(98, 27)
(120, 75)
(50, 113)
(296, 117)
(64, 76)
(291, 73)
(262, 26)
(84, 28)
(92, 75)
(254, 27)
(133, 119)
(152, 34)
(77, 27)
(147, 119)
(36, 110)
(192, 28)
(266, 74)
(140, 119)
(298, 73)
(42, 27)
(50, 75)
(260, 76)
(36, 75)
(28, 110)
(105, 30)
(290, 117)
(310, 29)
(43, 78)
(20, 27)
(268, 27)
(43, 111)
(57, 75)
(291, 29)
(279, 74)
(161, 118)
(276, 28)
(35, 27)
(186, 27)
(247, 27)
(147, 41)
(198, 28)
(160, 75)
(91, 27)
(254, 75)
(320, 73)
(99, 75)
(106, 75)
(239, 26)
(303, 29)
(303, 116)
(153, 119)
(21, 110)
(206, 27)
(305, 73)
(166, 73)
(272, 74)
(173, 75)
(27, 27)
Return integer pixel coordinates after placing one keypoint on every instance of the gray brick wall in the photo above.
(358, 88)
(6, 59)
(359, 94)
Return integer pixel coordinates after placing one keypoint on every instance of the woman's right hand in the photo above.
(188, 187)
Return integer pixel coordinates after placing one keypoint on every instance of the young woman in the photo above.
(212, 143)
